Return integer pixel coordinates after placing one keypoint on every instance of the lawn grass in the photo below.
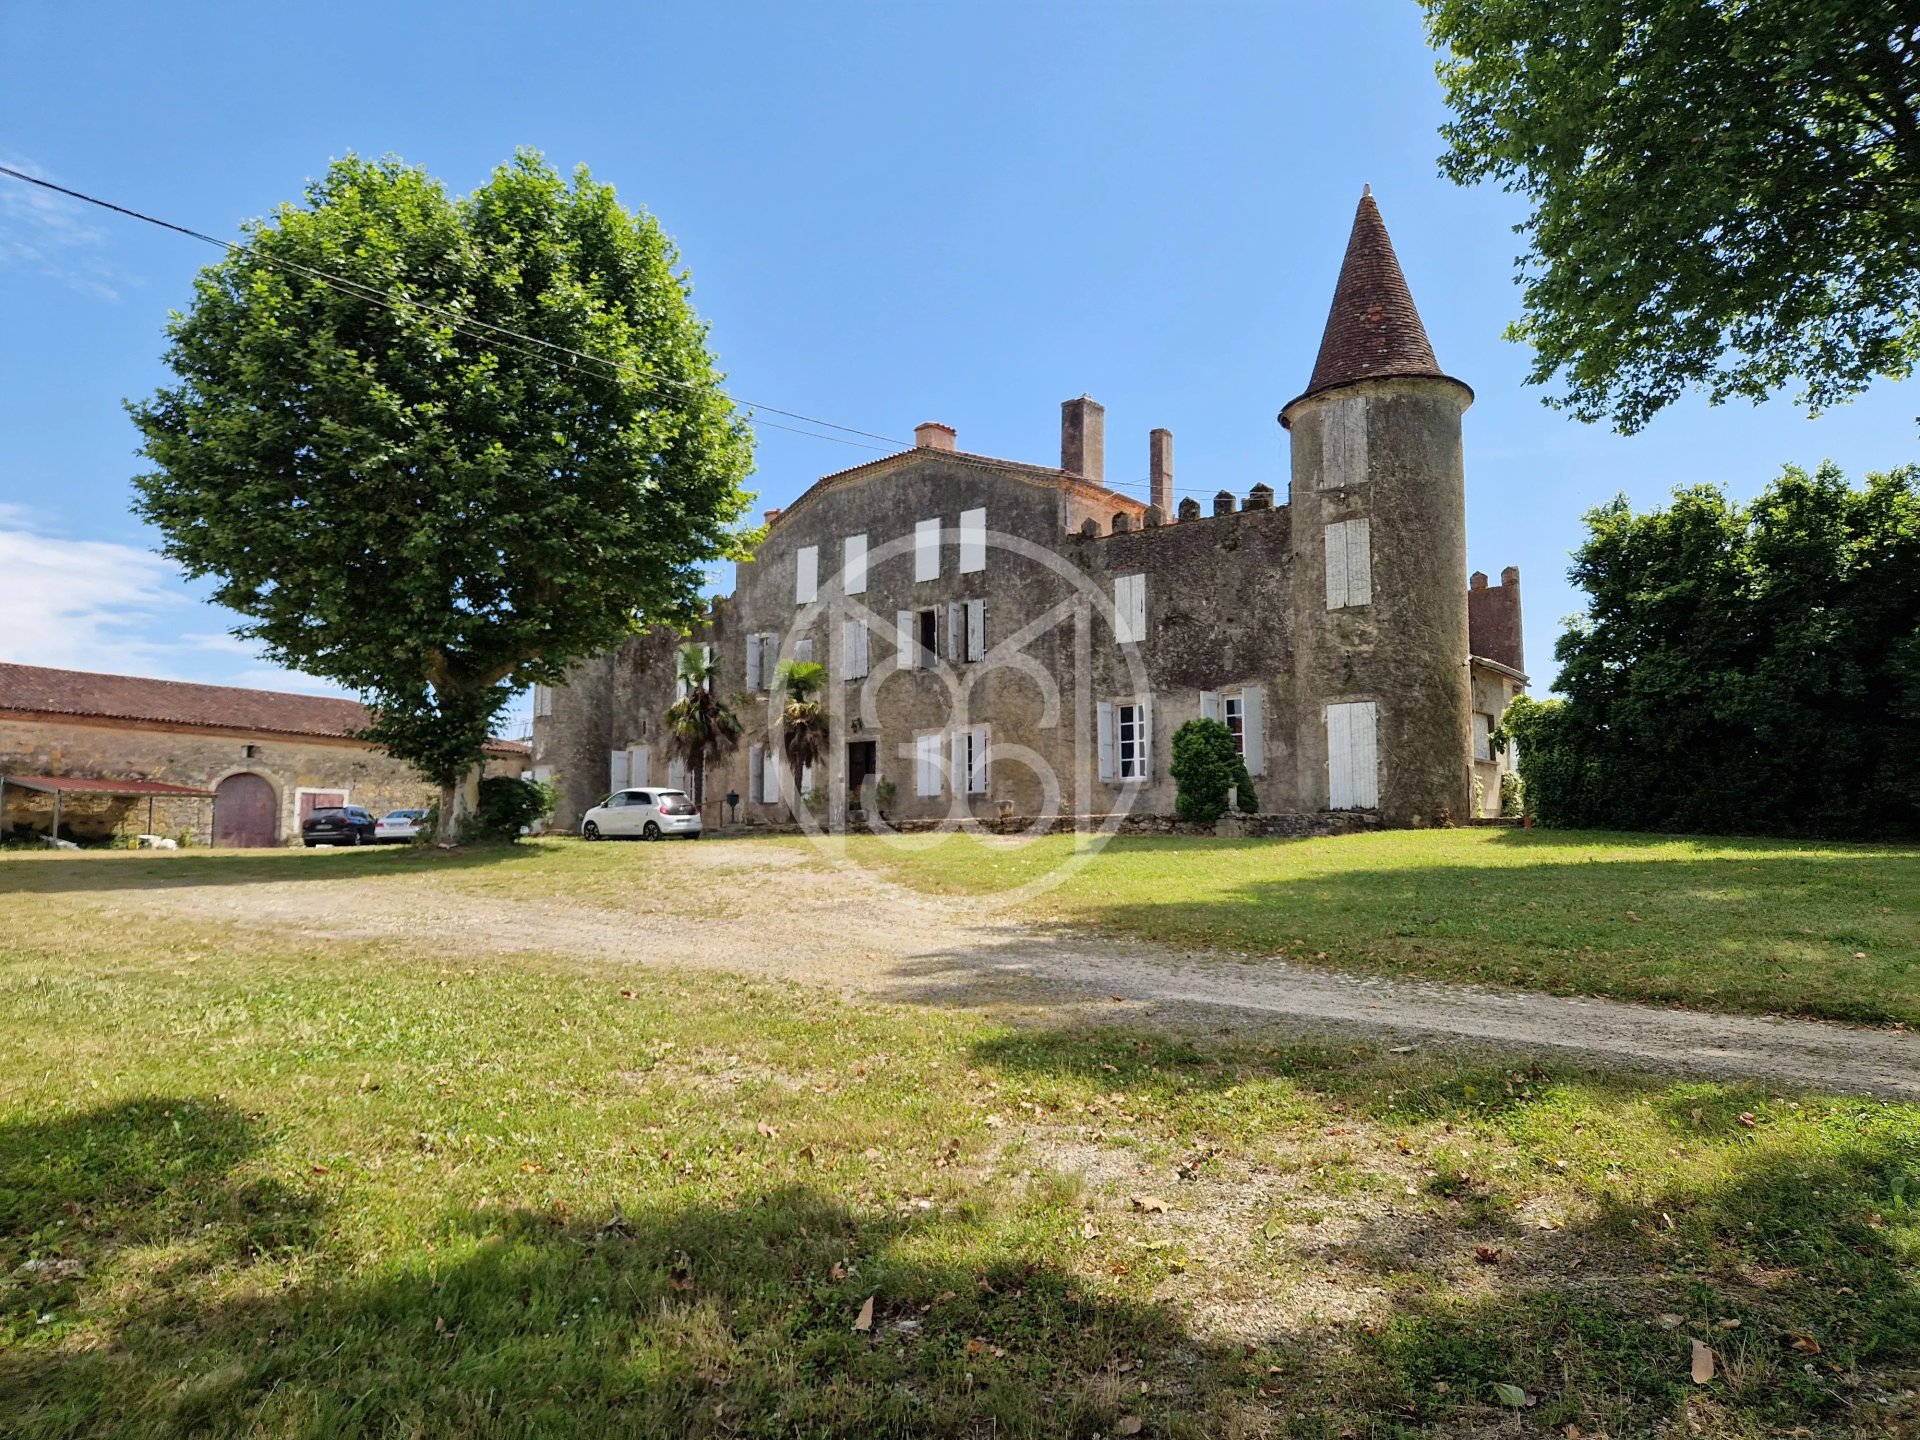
(278, 1185)
(1754, 926)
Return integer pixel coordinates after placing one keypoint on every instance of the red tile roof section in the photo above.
(81, 784)
(81, 693)
(1373, 330)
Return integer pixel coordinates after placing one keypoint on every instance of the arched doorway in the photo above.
(245, 812)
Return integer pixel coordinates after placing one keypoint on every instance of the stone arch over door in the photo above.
(246, 812)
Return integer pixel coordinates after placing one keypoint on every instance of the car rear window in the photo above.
(327, 812)
(675, 802)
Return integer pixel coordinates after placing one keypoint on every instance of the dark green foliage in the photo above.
(1726, 197)
(508, 805)
(422, 508)
(1206, 764)
(1740, 668)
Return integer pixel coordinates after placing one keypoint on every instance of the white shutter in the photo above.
(806, 574)
(1139, 607)
(926, 767)
(853, 640)
(956, 632)
(1366, 756)
(753, 662)
(1359, 563)
(853, 565)
(617, 771)
(676, 775)
(1482, 742)
(1253, 730)
(770, 776)
(756, 788)
(1343, 444)
(1336, 542)
(976, 630)
(1145, 727)
(639, 765)
(904, 640)
(1209, 704)
(1104, 733)
(926, 550)
(803, 651)
(973, 541)
(977, 760)
(1353, 765)
(1123, 609)
(806, 779)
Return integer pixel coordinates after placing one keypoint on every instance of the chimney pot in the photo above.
(932, 435)
(1510, 575)
(1083, 438)
(1224, 503)
(1477, 580)
(1160, 469)
(773, 515)
(1189, 509)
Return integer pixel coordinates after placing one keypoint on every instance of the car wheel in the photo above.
(590, 830)
(652, 831)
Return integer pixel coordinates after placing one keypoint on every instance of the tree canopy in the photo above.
(1725, 193)
(1206, 765)
(1751, 668)
(435, 449)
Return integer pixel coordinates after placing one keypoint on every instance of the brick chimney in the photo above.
(932, 435)
(1083, 438)
(1160, 469)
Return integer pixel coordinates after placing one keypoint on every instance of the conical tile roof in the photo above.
(1373, 330)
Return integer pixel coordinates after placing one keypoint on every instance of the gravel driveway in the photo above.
(773, 911)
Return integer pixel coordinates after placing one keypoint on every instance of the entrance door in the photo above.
(863, 759)
(245, 812)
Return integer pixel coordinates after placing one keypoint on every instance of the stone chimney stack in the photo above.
(1160, 469)
(932, 435)
(1083, 438)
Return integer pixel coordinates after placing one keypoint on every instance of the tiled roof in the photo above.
(87, 785)
(40, 690)
(1046, 475)
(1373, 330)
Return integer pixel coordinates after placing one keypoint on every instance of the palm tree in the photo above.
(700, 727)
(803, 720)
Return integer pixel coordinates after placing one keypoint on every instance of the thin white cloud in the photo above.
(80, 604)
(53, 235)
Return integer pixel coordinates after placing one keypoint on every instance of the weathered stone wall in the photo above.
(200, 759)
(1493, 618)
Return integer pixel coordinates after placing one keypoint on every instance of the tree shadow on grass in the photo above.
(66, 873)
(1798, 1264)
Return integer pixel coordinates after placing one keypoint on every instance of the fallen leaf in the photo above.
(1635, 918)
(1127, 1425)
(1729, 1324)
(1702, 1362)
(1511, 1395)
(1805, 1344)
(1670, 1321)
(838, 1272)
(1151, 1204)
(865, 1322)
(1486, 1255)
(767, 1130)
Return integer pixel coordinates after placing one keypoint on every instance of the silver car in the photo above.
(647, 814)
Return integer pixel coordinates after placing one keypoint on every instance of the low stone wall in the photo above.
(1290, 825)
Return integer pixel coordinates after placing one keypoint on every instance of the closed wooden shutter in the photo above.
(1359, 562)
(977, 760)
(1482, 731)
(973, 541)
(617, 771)
(770, 776)
(753, 662)
(956, 632)
(853, 641)
(926, 550)
(1209, 704)
(1336, 545)
(756, 785)
(904, 641)
(806, 575)
(639, 766)
(1103, 728)
(1144, 770)
(803, 651)
(926, 766)
(1353, 765)
(976, 630)
(676, 775)
(853, 565)
(1253, 730)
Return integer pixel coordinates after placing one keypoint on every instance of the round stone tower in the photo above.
(1380, 555)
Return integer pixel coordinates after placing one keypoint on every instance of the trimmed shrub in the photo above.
(1206, 765)
(508, 805)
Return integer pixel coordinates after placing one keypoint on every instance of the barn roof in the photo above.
(136, 700)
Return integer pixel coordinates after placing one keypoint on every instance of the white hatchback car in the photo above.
(398, 827)
(649, 814)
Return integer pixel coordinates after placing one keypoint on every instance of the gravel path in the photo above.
(772, 912)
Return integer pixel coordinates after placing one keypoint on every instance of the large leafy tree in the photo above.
(1740, 667)
(1725, 193)
(435, 449)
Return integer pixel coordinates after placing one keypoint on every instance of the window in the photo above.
(1129, 609)
(976, 621)
(853, 565)
(853, 644)
(973, 541)
(763, 774)
(1241, 711)
(1125, 739)
(542, 702)
(1236, 722)
(928, 622)
(1353, 763)
(252, 752)
(970, 759)
(926, 764)
(1349, 564)
(806, 574)
(1482, 737)
(763, 658)
(1343, 444)
(926, 550)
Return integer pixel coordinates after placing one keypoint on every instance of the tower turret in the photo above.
(1380, 555)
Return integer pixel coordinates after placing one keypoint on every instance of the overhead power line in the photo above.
(465, 324)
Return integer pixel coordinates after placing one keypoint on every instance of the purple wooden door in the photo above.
(245, 812)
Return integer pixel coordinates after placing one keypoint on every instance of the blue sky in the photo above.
(963, 212)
